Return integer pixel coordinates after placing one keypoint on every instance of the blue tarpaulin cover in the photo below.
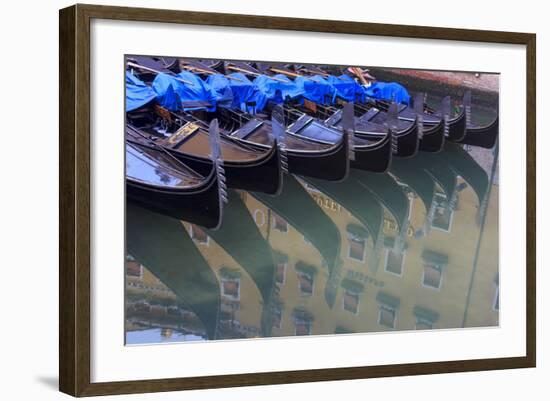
(221, 90)
(246, 94)
(166, 92)
(346, 88)
(389, 91)
(137, 93)
(172, 93)
(278, 90)
(249, 96)
(316, 88)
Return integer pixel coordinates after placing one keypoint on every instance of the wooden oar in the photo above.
(285, 72)
(256, 74)
(193, 68)
(359, 75)
(289, 73)
(141, 67)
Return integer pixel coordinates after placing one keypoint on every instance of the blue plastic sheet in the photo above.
(221, 90)
(317, 89)
(176, 95)
(389, 91)
(138, 94)
(246, 95)
(346, 88)
(277, 90)
(164, 88)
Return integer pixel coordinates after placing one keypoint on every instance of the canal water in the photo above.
(413, 249)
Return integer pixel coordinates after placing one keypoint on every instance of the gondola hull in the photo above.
(376, 159)
(201, 206)
(261, 175)
(406, 142)
(156, 181)
(457, 128)
(329, 165)
(485, 137)
(433, 138)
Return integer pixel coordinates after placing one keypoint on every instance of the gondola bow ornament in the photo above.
(392, 124)
(278, 128)
(215, 155)
(446, 114)
(419, 111)
(467, 104)
(348, 127)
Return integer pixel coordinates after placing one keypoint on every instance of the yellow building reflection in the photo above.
(366, 255)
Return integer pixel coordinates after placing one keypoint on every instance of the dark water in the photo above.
(413, 249)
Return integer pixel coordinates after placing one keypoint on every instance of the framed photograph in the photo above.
(249, 200)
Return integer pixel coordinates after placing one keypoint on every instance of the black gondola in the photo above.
(156, 180)
(187, 138)
(370, 127)
(482, 136)
(433, 128)
(302, 144)
(455, 129)
(307, 133)
(370, 154)
(164, 247)
(370, 123)
(405, 133)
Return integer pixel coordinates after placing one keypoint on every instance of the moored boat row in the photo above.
(194, 128)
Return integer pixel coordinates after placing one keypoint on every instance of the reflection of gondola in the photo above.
(163, 246)
(413, 175)
(299, 209)
(422, 179)
(157, 181)
(362, 205)
(389, 194)
(239, 237)
(187, 139)
(356, 200)
(437, 167)
(465, 166)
